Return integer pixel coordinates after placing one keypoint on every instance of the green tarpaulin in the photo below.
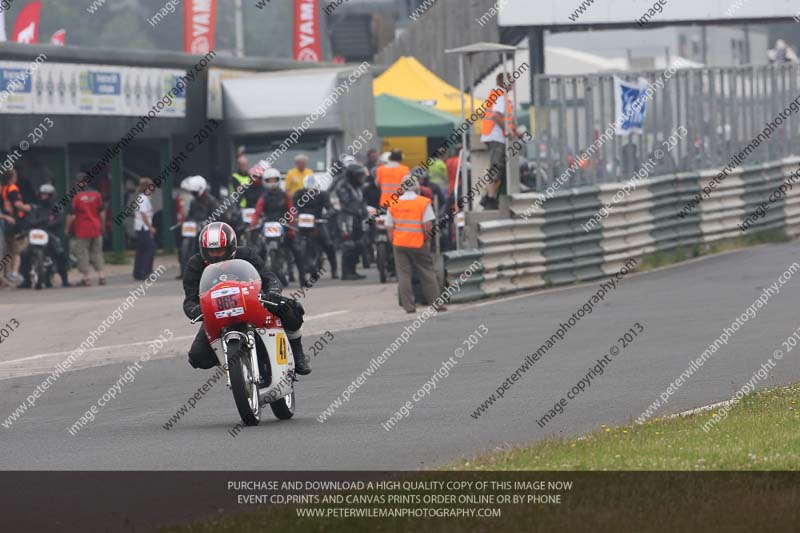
(397, 117)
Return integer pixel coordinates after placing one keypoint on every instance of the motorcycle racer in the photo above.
(313, 200)
(218, 243)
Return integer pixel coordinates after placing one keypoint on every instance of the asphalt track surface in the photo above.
(682, 308)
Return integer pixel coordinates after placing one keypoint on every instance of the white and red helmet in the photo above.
(272, 178)
(217, 242)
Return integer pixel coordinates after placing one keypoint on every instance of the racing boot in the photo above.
(301, 365)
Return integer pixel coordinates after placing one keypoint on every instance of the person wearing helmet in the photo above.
(253, 187)
(218, 243)
(42, 217)
(312, 200)
(372, 191)
(201, 208)
(275, 206)
(203, 203)
(351, 216)
(390, 178)
(274, 203)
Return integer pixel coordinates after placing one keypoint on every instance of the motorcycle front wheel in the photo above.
(245, 391)
(37, 270)
(187, 250)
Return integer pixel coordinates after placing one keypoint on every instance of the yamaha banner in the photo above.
(307, 44)
(199, 26)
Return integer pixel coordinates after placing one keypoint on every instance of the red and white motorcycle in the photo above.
(250, 342)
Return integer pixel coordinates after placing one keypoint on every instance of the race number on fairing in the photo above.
(229, 302)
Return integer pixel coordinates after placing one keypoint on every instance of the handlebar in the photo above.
(261, 299)
(267, 302)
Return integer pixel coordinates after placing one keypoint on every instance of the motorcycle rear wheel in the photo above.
(245, 391)
(283, 409)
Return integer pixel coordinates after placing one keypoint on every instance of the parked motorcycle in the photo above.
(42, 267)
(309, 253)
(272, 247)
(190, 229)
(249, 341)
(243, 232)
(384, 255)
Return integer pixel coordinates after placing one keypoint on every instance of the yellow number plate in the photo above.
(283, 351)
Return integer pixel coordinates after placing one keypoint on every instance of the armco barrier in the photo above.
(551, 247)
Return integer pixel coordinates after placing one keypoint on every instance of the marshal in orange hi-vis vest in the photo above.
(488, 124)
(390, 180)
(6, 191)
(409, 230)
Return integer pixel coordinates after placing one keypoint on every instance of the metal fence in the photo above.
(722, 109)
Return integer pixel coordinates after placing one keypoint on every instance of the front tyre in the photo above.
(283, 409)
(245, 391)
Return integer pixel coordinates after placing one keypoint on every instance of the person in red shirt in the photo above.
(86, 223)
(452, 169)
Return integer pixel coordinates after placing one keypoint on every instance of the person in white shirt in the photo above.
(145, 231)
(494, 129)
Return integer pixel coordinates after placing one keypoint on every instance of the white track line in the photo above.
(132, 344)
(127, 345)
(699, 410)
(325, 315)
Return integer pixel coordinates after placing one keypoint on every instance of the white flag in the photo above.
(2, 26)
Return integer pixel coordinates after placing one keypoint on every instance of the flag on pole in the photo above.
(59, 38)
(630, 104)
(26, 28)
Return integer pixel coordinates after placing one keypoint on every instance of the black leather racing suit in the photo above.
(318, 203)
(352, 214)
(201, 355)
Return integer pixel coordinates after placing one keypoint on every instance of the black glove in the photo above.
(281, 304)
(288, 310)
(194, 312)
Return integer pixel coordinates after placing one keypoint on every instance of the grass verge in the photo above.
(683, 253)
(761, 432)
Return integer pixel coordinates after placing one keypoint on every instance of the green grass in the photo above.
(682, 253)
(762, 432)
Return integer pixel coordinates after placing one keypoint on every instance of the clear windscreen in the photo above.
(233, 270)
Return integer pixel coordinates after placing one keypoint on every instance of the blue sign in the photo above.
(105, 83)
(15, 80)
(631, 105)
